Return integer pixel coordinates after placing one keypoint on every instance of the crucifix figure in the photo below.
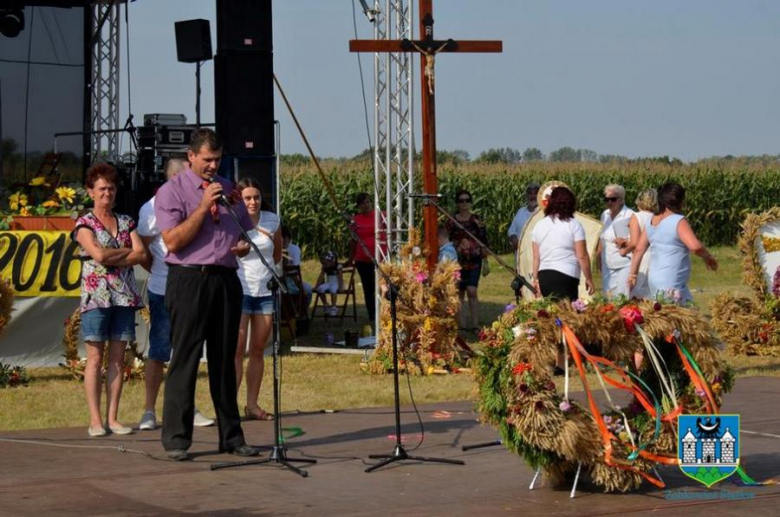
(428, 48)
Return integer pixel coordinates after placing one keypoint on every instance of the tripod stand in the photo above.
(399, 453)
(278, 455)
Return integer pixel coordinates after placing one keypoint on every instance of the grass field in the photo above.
(318, 381)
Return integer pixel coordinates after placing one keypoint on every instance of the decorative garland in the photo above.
(427, 309)
(751, 325)
(134, 360)
(6, 303)
(681, 371)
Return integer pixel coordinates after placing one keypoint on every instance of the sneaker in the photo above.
(148, 421)
(333, 311)
(201, 421)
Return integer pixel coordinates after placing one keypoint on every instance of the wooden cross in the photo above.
(428, 48)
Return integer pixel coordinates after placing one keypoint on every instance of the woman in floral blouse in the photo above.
(109, 296)
(470, 256)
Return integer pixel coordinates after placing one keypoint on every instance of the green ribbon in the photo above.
(294, 433)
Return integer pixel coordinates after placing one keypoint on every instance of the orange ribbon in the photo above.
(577, 352)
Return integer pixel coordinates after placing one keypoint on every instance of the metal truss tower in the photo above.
(393, 127)
(105, 79)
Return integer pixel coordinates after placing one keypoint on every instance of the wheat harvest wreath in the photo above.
(665, 356)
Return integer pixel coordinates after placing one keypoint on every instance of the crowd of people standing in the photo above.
(206, 287)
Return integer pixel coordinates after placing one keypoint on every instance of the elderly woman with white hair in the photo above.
(619, 237)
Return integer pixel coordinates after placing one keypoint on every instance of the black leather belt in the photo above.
(208, 269)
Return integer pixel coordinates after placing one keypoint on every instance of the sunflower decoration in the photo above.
(427, 309)
(664, 356)
(17, 202)
(40, 181)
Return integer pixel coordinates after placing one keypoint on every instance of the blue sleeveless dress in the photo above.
(670, 261)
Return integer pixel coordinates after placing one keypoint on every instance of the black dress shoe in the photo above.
(245, 451)
(179, 455)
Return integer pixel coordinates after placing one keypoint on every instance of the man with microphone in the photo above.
(203, 295)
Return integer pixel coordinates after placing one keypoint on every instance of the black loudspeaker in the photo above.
(244, 25)
(244, 102)
(260, 168)
(193, 41)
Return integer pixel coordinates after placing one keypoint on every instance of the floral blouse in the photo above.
(469, 252)
(107, 286)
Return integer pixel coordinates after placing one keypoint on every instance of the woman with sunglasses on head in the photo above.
(258, 305)
(619, 237)
(560, 253)
(470, 256)
(671, 240)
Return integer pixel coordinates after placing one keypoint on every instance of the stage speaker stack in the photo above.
(243, 84)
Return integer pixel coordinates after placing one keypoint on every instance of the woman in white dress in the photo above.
(646, 206)
(618, 239)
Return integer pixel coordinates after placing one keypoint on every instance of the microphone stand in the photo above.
(278, 455)
(399, 452)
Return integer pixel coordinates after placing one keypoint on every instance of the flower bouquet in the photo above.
(40, 202)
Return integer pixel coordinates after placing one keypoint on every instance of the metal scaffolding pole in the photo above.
(105, 79)
(393, 128)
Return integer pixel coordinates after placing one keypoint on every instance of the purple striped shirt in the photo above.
(177, 199)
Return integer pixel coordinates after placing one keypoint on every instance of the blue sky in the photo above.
(689, 78)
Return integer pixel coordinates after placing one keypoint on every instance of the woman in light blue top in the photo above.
(671, 241)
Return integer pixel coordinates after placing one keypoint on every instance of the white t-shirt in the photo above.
(147, 227)
(556, 239)
(251, 271)
(518, 223)
(294, 255)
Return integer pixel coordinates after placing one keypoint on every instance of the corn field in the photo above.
(718, 194)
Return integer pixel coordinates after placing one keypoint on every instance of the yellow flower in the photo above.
(716, 387)
(23, 212)
(66, 194)
(428, 324)
(17, 200)
(50, 203)
(37, 182)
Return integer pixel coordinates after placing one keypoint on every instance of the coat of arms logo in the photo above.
(708, 446)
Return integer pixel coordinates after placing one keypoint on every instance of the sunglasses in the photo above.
(464, 200)
(611, 199)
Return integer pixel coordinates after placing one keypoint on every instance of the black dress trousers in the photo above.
(204, 305)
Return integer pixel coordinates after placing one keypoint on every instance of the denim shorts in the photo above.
(258, 305)
(109, 324)
(160, 331)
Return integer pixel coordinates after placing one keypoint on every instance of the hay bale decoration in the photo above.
(427, 311)
(751, 325)
(681, 371)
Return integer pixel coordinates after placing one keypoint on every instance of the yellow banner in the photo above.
(41, 263)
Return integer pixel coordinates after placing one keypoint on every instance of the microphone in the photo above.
(223, 200)
(370, 13)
